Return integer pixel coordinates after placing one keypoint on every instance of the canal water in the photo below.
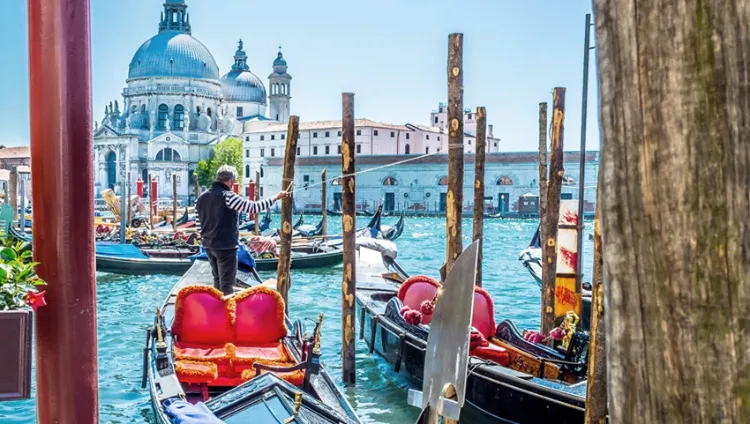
(126, 308)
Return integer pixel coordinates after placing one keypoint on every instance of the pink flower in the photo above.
(35, 299)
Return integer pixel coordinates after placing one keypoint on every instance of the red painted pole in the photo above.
(139, 187)
(236, 188)
(251, 194)
(63, 198)
(154, 195)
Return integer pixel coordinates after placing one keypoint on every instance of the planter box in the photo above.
(15, 354)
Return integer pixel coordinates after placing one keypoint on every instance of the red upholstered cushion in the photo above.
(201, 317)
(483, 317)
(195, 372)
(416, 290)
(295, 378)
(259, 313)
(251, 354)
(492, 353)
(200, 353)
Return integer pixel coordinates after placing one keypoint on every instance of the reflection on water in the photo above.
(126, 308)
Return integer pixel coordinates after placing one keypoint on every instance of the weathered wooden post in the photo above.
(479, 186)
(675, 208)
(13, 191)
(542, 169)
(152, 201)
(596, 387)
(174, 202)
(257, 197)
(454, 202)
(196, 187)
(123, 212)
(582, 160)
(63, 199)
(22, 215)
(348, 222)
(129, 194)
(283, 279)
(323, 204)
(549, 245)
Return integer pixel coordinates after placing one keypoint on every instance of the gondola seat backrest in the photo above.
(259, 317)
(417, 289)
(483, 316)
(201, 317)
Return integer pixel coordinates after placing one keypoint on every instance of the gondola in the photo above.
(264, 223)
(509, 380)
(362, 212)
(215, 359)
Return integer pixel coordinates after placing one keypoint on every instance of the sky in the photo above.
(391, 53)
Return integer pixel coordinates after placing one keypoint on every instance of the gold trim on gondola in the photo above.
(297, 406)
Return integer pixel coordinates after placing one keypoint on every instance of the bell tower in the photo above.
(175, 17)
(279, 90)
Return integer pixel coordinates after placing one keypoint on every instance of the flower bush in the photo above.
(19, 284)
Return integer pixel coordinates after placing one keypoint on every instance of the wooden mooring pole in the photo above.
(174, 202)
(348, 224)
(596, 388)
(13, 192)
(323, 203)
(283, 279)
(152, 207)
(478, 228)
(549, 244)
(129, 195)
(257, 197)
(454, 202)
(196, 187)
(582, 159)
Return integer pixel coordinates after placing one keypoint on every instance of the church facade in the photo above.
(176, 107)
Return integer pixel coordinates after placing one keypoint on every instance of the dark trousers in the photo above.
(224, 268)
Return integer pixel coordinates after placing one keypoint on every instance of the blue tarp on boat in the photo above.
(119, 250)
(183, 412)
(244, 258)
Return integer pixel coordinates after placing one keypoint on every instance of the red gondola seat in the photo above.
(416, 290)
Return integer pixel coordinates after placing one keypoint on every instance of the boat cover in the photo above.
(184, 412)
(119, 250)
(244, 258)
(386, 247)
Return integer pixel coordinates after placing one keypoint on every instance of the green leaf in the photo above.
(7, 254)
(3, 274)
(26, 254)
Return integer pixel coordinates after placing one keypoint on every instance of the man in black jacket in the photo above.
(218, 215)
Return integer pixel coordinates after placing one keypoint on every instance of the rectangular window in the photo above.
(375, 132)
(339, 133)
(247, 138)
(247, 153)
(339, 148)
(469, 117)
(273, 152)
(261, 192)
(328, 134)
(393, 134)
(306, 178)
(240, 112)
(359, 132)
(469, 142)
(428, 136)
(407, 136)
(439, 139)
(262, 152)
(436, 119)
(283, 136)
(273, 136)
(298, 151)
(315, 150)
(427, 150)
(315, 135)
(359, 148)
(263, 137)
(328, 150)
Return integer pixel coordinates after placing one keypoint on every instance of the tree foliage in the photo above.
(228, 152)
(203, 170)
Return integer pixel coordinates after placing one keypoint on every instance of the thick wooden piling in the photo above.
(542, 172)
(454, 202)
(323, 203)
(63, 199)
(596, 388)
(348, 224)
(549, 244)
(174, 202)
(675, 208)
(283, 279)
(478, 227)
(257, 197)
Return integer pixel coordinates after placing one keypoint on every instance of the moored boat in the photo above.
(510, 379)
(232, 359)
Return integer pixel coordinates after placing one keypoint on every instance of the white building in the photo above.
(176, 107)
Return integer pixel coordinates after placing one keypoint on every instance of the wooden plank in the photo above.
(283, 279)
(348, 224)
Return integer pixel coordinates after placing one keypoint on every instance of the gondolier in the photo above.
(218, 212)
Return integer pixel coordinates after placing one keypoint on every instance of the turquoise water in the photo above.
(126, 306)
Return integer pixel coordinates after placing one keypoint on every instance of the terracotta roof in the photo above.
(441, 158)
(15, 152)
(321, 125)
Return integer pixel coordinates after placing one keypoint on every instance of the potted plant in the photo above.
(20, 296)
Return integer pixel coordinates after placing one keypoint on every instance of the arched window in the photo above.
(163, 116)
(504, 180)
(336, 181)
(390, 181)
(133, 108)
(111, 160)
(143, 108)
(443, 181)
(407, 150)
(179, 118)
(168, 154)
(247, 171)
(208, 112)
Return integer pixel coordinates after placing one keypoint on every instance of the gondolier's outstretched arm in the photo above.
(240, 204)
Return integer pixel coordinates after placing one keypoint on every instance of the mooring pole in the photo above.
(348, 223)
(152, 206)
(596, 388)
(174, 202)
(549, 245)
(479, 187)
(13, 192)
(582, 163)
(123, 212)
(257, 197)
(196, 187)
(542, 170)
(283, 279)
(128, 194)
(454, 202)
(63, 199)
(22, 215)
(323, 203)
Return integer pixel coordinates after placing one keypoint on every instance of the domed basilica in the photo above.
(176, 107)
